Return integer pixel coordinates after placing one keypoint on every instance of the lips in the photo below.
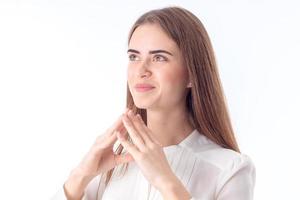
(143, 87)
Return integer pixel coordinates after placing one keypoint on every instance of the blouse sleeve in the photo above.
(93, 190)
(237, 181)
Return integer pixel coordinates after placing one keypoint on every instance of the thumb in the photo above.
(125, 158)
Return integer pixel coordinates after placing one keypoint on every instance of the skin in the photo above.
(165, 104)
(148, 154)
(166, 115)
(166, 111)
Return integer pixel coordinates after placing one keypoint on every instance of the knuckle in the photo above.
(134, 137)
(154, 146)
(147, 151)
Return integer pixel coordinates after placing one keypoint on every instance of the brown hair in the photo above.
(205, 100)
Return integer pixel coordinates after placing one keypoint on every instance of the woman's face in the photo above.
(155, 59)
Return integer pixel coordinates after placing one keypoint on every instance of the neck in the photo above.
(169, 127)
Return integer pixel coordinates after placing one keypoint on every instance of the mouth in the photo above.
(143, 87)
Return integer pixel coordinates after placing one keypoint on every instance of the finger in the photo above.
(139, 127)
(129, 147)
(110, 141)
(135, 137)
(147, 131)
(124, 158)
(117, 125)
(120, 125)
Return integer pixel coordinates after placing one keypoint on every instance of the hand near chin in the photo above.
(146, 151)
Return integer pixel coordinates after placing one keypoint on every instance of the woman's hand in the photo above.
(147, 151)
(99, 159)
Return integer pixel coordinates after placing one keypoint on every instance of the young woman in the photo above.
(176, 138)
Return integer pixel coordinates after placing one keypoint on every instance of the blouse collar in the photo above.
(193, 141)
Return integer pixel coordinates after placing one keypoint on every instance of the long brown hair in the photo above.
(205, 100)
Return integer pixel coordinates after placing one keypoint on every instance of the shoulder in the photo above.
(233, 168)
(210, 152)
(237, 172)
(223, 158)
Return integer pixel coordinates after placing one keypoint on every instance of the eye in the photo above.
(133, 57)
(159, 58)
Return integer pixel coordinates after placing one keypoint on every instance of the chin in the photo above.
(144, 101)
(142, 104)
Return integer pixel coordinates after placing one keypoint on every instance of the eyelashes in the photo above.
(155, 58)
(162, 58)
(133, 57)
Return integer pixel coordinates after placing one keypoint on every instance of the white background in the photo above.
(63, 82)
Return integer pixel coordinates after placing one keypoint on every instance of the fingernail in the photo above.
(139, 116)
(130, 113)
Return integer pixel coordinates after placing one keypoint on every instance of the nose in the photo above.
(143, 70)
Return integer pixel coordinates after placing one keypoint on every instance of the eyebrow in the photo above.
(150, 52)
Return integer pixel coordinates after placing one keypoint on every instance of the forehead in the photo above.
(150, 37)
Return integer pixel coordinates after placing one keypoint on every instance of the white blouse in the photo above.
(208, 172)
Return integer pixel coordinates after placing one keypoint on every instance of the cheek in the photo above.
(173, 78)
(130, 74)
(168, 79)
